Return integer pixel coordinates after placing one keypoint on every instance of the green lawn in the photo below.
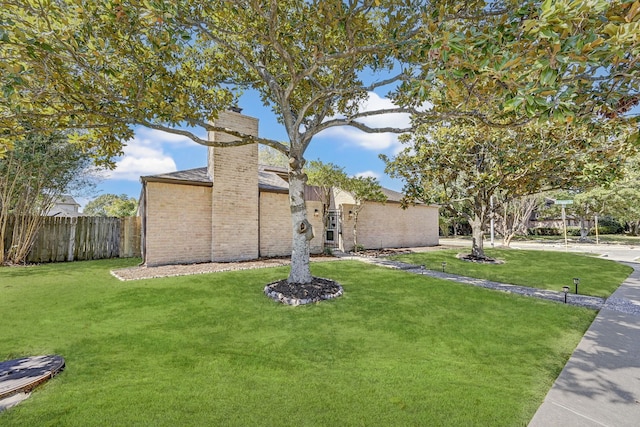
(537, 269)
(396, 350)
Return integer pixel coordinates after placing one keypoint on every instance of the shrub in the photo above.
(608, 225)
(608, 229)
(572, 231)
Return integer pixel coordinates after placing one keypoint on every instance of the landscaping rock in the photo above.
(297, 294)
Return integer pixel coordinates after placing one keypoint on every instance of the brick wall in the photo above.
(387, 225)
(234, 207)
(275, 225)
(178, 224)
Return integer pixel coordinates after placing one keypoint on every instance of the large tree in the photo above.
(463, 166)
(32, 176)
(109, 64)
(112, 205)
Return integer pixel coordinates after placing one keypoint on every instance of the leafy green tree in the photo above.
(271, 157)
(112, 205)
(38, 170)
(106, 65)
(620, 199)
(564, 60)
(462, 166)
(328, 178)
(363, 189)
(622, 202)
(325, 178)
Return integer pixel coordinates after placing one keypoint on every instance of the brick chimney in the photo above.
(235, 198)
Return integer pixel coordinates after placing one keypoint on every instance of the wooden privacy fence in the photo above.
(85, 238)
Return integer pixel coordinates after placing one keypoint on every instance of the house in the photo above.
(64, 205)
(234, 209)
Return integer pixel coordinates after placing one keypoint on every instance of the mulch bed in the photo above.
(376, 253)
(479, 259)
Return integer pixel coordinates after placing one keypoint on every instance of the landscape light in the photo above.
(444, 264)
(576, 281)
(565, 289)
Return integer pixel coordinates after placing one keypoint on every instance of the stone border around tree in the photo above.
(319, 289)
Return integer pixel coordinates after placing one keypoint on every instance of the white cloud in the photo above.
(375, 102)
(151, 136)
(369, 141)
(372, 141)
(144, 156)
(368, 174)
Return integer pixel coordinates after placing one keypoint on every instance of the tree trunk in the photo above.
(477, 231)
(506, 240)
(2, 234)
(302, 230)
(4, 219)
(584, 229)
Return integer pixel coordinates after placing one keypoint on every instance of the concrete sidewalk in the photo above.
(600, 384)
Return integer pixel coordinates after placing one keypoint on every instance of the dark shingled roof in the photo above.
(392, 196)
(267, 180)
(271, 181)
(198, 175)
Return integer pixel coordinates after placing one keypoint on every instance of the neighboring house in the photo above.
(538, 221)
(234, 209)
(64, 206)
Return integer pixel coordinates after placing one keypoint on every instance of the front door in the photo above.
(332, 229)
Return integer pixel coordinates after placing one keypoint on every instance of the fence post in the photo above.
(72, 238)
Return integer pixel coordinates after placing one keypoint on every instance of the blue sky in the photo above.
(153, 152)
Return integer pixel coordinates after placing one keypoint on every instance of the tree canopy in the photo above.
(105, 65)
(38, 170)
(112, 205)
(325, 177)
(462, 166)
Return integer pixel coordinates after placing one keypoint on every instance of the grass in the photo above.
(616, 239)
(620, 239)
(536, 269)
(396, 350)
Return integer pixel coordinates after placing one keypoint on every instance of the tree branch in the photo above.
(243, 139)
